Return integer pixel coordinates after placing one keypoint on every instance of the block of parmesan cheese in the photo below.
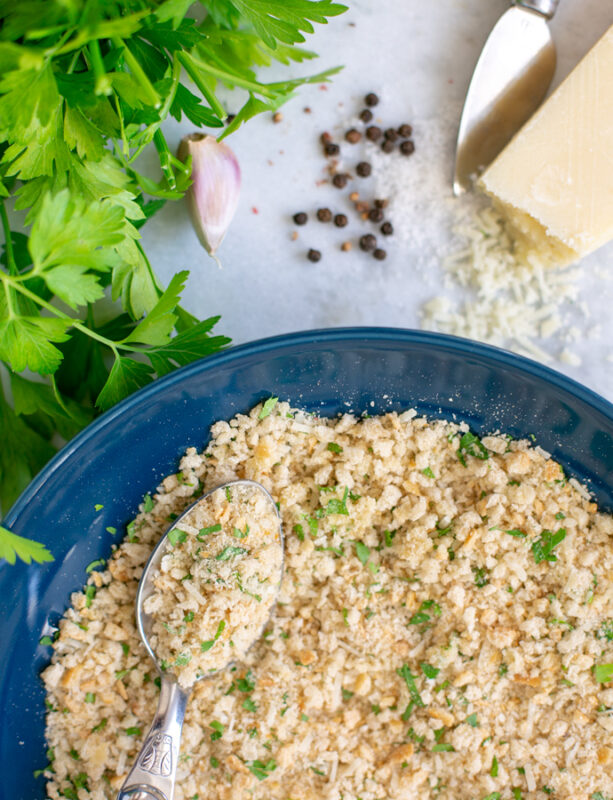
(554, 180)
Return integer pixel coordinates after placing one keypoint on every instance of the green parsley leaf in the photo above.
(206, 646)
(416, 701)
(515, 532)
(218, 730)
(176, 536)
(268, 407)
(249, 705)
(134, 731)
(261, 769)
(471, 445)
(206, 531)
(333, 447)
(443, 747)
(427, 472)
(362, 552)
(471, 720)
(230, 552)
(148, 503)
(13, 547)
(603, 673)
(429, 671)
(481, 578)
(542, 549)
(336, 506)
(494, 767)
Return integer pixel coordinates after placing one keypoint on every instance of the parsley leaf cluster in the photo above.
(84, 90)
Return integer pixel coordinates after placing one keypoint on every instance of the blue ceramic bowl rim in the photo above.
(370, 335)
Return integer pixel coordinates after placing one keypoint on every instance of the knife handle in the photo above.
(547, 8)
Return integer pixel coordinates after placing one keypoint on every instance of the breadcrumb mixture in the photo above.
(444, 629)
(217, 582)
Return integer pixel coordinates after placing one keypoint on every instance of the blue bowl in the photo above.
(123, 455)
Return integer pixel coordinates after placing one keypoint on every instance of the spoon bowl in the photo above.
(153, 774)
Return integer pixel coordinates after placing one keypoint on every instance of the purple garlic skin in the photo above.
(213, 195)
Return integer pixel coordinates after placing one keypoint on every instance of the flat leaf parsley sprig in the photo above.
(84, 90)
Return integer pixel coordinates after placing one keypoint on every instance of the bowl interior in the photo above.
(125, 453)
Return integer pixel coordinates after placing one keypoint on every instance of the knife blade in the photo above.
(509, 83)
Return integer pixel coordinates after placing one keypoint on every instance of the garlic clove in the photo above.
(213, 195)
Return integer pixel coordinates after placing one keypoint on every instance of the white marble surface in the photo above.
(418, 55)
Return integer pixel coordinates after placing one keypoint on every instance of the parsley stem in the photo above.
(192, 65)
(138, 73)
(75, 323)
(226, 77)
(164, 153)
(103, 82)
(8, 241)
(125, 147)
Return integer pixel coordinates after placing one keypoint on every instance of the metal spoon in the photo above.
(154, 771)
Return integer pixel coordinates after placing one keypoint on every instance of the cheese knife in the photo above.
(510, 80)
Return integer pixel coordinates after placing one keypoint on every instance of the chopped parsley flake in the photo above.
(494, 768)
(416, 701)
(427, 472)
(542, 549)
(268, 407)
(429, 671)
(603, 673)
(249, 705)
(333, 447)
(336, 506)
(443, 747)
(148, 503)
(205, 646)
(362, 552)
(176, 536)
(205, 531)
(90, 697)
(218, 730)
(515, 532)
(229, 552)
(471, 445)
(481, 578)
(101, 725)
(471, 720)
(134, 731)
(606, 630)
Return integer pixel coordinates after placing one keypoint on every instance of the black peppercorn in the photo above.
(373, 133)
(380, 254)
(407, 148)
(340, 220)
(391, 134)
(314, 255)
(353, 136)
(387, 146)
(300, 218)
(381, 203)
(366, 115)
(368, 242)
(331, 149)
(363, 169)
(387, 229)
(340, 180)
(371, 99)
(375, 215)
(324, 214)
(405, 131)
